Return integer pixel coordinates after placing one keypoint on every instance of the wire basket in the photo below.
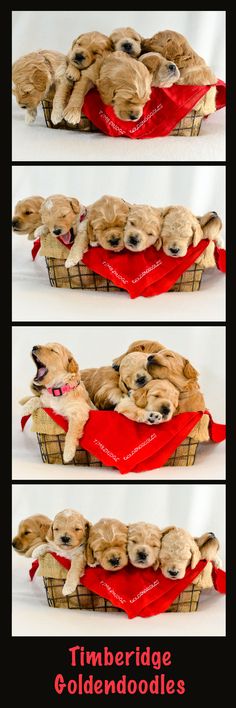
(189, 126)
(52, 446)
(80, 277)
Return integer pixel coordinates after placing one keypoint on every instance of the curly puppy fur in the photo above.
(55, 368)
(163, 72)
(27, 217)
(35, 76)
(127, 40)
(143, 228)
(144, 542)
(180, 229)
(175, 47)
(68, 535)
(60, 217)
(155, 403)
(31, 532)
(107, 544)
(178, 551)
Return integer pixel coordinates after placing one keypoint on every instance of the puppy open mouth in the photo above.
(68, 238)
(41, 368)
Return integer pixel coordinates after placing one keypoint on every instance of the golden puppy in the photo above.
(144, 542)
(209, 546)
(140, 345)
(180, 229)
(143, 228)
(155, 403)
(178, 551)
(61, 217)
(27, 218)
(163, 72)
(35, 77)
(67, 536)
(211, 225)
(175, 48)
(84, 52)
(107, 544)
(126, 39)
(31, 532)
(104, 226)
(106, 387)
(59, 383)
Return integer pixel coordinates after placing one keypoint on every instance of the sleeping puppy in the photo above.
(140, 345)
(35, 77)
(144, 542)
(106, 387)
(31, 532)
(143, 228)
(84, 52)
(154, 403)
(164, 73)
(208, 545)
(178, 551)
(107, 544)
(59, 384)
(180, 229)
(211, 225)
(61, 218)
(67, 536)
(104, 226)
(126, 39)
(27, 218)
(175, 48)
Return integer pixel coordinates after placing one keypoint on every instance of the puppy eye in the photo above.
(132, 223)
(28, 212)
(150, 234)
(53, 350)
(78, 528)
(55, 529)
(26, 533)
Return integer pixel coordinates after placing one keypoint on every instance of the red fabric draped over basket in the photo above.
(142, 593)
(161, 113)
(134, 447)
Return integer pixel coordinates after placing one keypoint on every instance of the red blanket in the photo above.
(161, 113)
(119, 442)
(142, 593)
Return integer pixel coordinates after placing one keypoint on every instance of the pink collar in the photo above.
(60, 390)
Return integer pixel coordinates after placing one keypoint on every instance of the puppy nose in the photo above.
(23, 106)
(165, 410)
(133, 116)
(35, 348)
(57, 232)
(14, 222)
(65, 539)
(114, 562)
(127, 46)
(173, 573)
(79, 57)
(133, 240)
(151, 358)
(114, 240)
(142, 555)
(14, 543)
(174, 250)
(172, 68)
(214, 213)
(141, 380)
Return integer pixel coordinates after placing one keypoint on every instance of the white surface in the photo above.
(97, 346)
(197, 508)
(56, 30)
(199, 188)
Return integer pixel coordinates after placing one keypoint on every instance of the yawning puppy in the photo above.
(60, 387)
(31, 532)
(107, 544)
(62, 218)
(155, 403)
(143, 228)
(178, 551)
(126, 39)
(144, 542)
(67, 536)
(27, 218)
(35, 77)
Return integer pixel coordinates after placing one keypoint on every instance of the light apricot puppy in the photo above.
(58, 381)
(67, 536)
(175, 47)
(163, 72)
(144, 542)
(209, 546)
(180, 229)
(63, 217)
(35, 77)
(31, 532)
(155, 403)
(126, 39)
(143, 228)
(27, 218)
(107, 544)
(178, 551)
(106, 387)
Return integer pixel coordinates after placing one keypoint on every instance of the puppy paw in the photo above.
(69, 453)
(30, 117)
(220, 242)
(70, 261)
(69, 587)
(72, 115)
(72, 74)
(154, 418)
(56, 116)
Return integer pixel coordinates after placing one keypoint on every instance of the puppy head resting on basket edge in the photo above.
(27, 218)
(144, 542)
(126, 39)
(59, 215)
(180, 229)
(31, 533)
(55, 366)
(125, 84)
(178, 551)
(106, 222)
(68, 530)
(107, 544)
(87, 48)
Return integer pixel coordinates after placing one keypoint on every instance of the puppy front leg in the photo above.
(61, 97)
(32, 405)
(72, 112)
(80, 245)
(74, 574)
(139, 415)
(41, 550)
(200, 432)
(30, 116)
(73, 435)
(41, 231)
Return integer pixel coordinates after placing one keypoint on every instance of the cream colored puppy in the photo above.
(143, 228)
(59, 384)
(107, 544)
(67, 536)
(35, 76)
(126, 39)
(180, 229)
(178, 551)
(31, 532)
(144, 542)
(155, 403)
(27, 218)
(62, 217)
(164, 73)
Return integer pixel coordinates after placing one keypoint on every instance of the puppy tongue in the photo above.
(67, 238)
(40, 373)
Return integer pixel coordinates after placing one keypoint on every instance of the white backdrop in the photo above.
(97, 346)
(34, 30)
(199, 188)
(198, 508)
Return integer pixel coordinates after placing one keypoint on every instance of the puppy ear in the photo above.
(87, 528)
(106, 89)
(156, 564)
(197, 234)
(208, 544)
(72, 366)
(75, 41)
(140, 397)
(49, 535)
(189, 371)
(89, 555)
(166, 530)
(211, 224)
(39, 79)
(43, 530)
(158, 244)
(196, 555)
(75, 205)
(117, 362)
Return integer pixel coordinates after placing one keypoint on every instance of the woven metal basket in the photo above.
(80, 277)
(189, 126)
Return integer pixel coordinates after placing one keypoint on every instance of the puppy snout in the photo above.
(65, 539)
(23, 106)
(165, 410)
(15, 223)
(127, 46)
(114, 562)
(114, 240)
(57, 232)
(14, 543)
(133, 116)
(151, 358)
(79, 57)
(173, 573)
(172, 68)
(142, 555)
(211, 534)
(214, 213)
(141, 380)
(174, 250)
(133, 240)
(35, 348)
